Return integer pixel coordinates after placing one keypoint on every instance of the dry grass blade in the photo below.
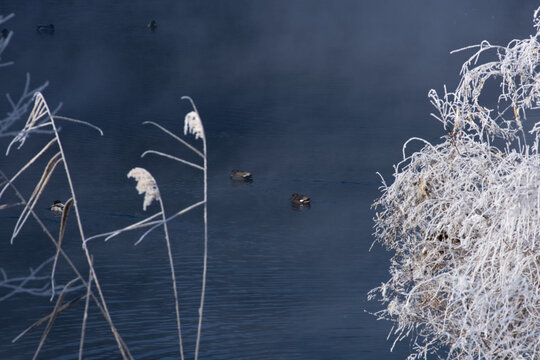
(175, 137)
(47, 317)
(55, 160)
(56, 117)
(65, 213)
(55, 312)
(173, 158)
(39, 111)
(27, 165)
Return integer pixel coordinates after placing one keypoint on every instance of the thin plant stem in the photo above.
(172, 157)
(173, 277)
(205, 255)
(85, 316)
(53, 317)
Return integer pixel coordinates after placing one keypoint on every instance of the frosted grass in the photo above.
(41, 120)
(462, 218)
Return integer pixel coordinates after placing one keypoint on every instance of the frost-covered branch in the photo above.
(36, 283)
(20, 107)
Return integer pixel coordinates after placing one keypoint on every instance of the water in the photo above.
(311, 97)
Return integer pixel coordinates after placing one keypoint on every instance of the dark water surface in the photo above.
(310, 96)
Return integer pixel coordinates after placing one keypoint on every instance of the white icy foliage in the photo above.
(146, 184)
(193, 125)
(463, 218)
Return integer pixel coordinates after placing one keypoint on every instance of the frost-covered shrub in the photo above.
(463, 218)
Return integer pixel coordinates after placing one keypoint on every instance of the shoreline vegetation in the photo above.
(462, 217)
(44, 121)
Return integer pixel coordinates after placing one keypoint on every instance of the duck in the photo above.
(238, 175)
(57, 207)
(4, 33)
(152, 25)
(45, 28)
(298, 199)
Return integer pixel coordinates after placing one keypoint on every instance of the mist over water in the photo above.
(311, 97)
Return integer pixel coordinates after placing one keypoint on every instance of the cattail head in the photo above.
(145, 184)
(193, 125)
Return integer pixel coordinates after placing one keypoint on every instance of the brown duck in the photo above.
(298, 199)
(238, 175)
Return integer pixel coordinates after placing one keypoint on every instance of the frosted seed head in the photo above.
(145, 184)
(193, 125)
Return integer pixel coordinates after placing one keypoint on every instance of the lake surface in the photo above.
(310, 96)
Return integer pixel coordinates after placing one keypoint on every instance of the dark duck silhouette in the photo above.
(238, 175)
(45, 28)
(57, 207)
(152, 25)
(300, 200)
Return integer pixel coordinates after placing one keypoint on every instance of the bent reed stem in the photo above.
(85, 248)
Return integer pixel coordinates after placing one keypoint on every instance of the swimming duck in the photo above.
(4, 33)
(298, 199)
(152, 25)
(238, 175)
(45, 29)
(57, 208)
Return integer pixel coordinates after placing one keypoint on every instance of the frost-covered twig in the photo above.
(20, 107)
(22, 284)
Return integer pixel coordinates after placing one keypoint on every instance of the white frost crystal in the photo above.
(145, 184)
